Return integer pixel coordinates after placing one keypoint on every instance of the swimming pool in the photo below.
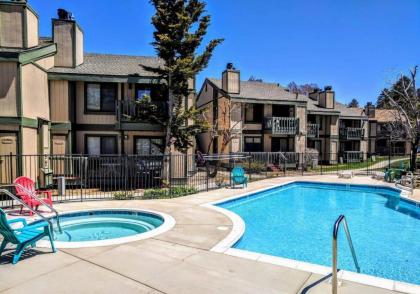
(108, 227)
(295, 221)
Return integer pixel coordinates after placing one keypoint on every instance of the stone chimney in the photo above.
(68, 36)
(18, 25)
(326, 97)
(370, 110)
(231, 80)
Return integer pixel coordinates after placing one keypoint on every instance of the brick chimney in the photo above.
(18, 25)
(68, 36)
(231, 80)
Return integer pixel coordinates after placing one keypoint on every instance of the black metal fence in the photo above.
(81, 177)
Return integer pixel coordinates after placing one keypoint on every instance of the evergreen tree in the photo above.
(353, 103)
(180, 26)
(395, 92)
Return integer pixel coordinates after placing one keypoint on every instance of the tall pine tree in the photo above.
(180, 26)
(395, 92)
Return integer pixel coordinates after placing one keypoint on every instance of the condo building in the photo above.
(57, 99)
(269, 118)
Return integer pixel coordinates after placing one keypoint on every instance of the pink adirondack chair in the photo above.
(29, 185)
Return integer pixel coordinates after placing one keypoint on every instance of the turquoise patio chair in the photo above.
(25, 236)
(238, 176)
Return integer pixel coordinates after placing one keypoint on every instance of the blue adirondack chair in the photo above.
(238, 176)
(25, 236)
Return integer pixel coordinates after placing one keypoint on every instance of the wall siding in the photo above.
(46, 63)
(11, 26)
(8, 88)
(59, 101)
(31, 28)
(83, 118)
(35, 99)
(79, 46)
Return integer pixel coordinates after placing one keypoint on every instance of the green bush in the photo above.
(156, 194)
(123, 196)
(166, 193)
(256, 167)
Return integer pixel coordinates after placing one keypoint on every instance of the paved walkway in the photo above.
(178, 261)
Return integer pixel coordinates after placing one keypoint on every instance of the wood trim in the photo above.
(94, 127)
(37, 53)
(134, 126)
(102, 78)
(61, 126)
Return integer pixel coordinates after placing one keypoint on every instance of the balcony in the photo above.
(127, 110)
(352, 133)
(312, 131)
(282, 125)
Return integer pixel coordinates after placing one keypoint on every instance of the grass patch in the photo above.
(361, 165)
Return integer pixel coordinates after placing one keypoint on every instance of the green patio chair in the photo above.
(238, 177)
(22, 237)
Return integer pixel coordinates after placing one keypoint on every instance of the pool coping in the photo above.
(168, 224)
(238, 229)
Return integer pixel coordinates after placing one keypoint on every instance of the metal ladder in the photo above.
(341, 220)
(14, 197)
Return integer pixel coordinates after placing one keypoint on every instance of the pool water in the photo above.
(104, 225)
(296, 221)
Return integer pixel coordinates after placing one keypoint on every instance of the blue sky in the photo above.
(356, 46)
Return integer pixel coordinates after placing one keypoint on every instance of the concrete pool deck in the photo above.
(178, 261)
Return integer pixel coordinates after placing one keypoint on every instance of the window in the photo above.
(254, 113)
(100, 97)
(97, 145)
(148, 146)
(252, 144)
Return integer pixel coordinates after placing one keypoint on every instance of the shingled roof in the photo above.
(112, 65)
(261, 91)
(271, 92)
(386, 115)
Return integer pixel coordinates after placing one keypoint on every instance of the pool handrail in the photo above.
(2, 190)
(341, 219)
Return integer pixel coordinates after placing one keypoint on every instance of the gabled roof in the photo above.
(266, 92)
(112, 65)
(261, 91)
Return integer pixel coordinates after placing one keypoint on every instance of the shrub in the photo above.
(256, 167)
(156, 194)
(123, 196)
(166, 193)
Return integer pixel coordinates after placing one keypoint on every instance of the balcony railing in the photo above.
(352, 133)
(127, 110)
(282, 125)
(313, 130)
(352, 156)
